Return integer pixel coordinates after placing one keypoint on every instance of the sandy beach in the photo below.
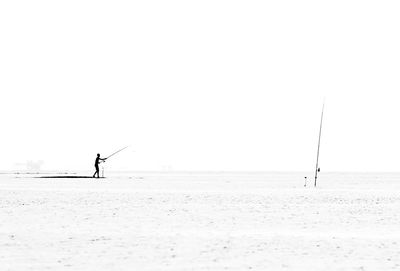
(194, 221)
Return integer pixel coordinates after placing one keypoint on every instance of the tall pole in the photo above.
(319, 143)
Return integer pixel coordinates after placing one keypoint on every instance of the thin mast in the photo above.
(319, 143)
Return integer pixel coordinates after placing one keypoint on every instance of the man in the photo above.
(96, 165)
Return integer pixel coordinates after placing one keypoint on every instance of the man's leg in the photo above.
(97, 171)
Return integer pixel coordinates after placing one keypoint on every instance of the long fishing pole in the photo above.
(319, 143)
(117, 152)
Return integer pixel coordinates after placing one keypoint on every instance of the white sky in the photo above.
(200, 85)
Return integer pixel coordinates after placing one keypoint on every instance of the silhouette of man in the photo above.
(96, 165)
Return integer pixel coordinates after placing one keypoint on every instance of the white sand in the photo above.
(200, 222)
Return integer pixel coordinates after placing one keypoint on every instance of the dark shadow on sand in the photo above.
(68, 177)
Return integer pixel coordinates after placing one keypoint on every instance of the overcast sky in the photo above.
(200, 85)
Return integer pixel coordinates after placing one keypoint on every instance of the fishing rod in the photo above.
(319, 143)
(117, 152)
(104, 160)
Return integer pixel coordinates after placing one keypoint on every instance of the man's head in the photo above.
(98, 155)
